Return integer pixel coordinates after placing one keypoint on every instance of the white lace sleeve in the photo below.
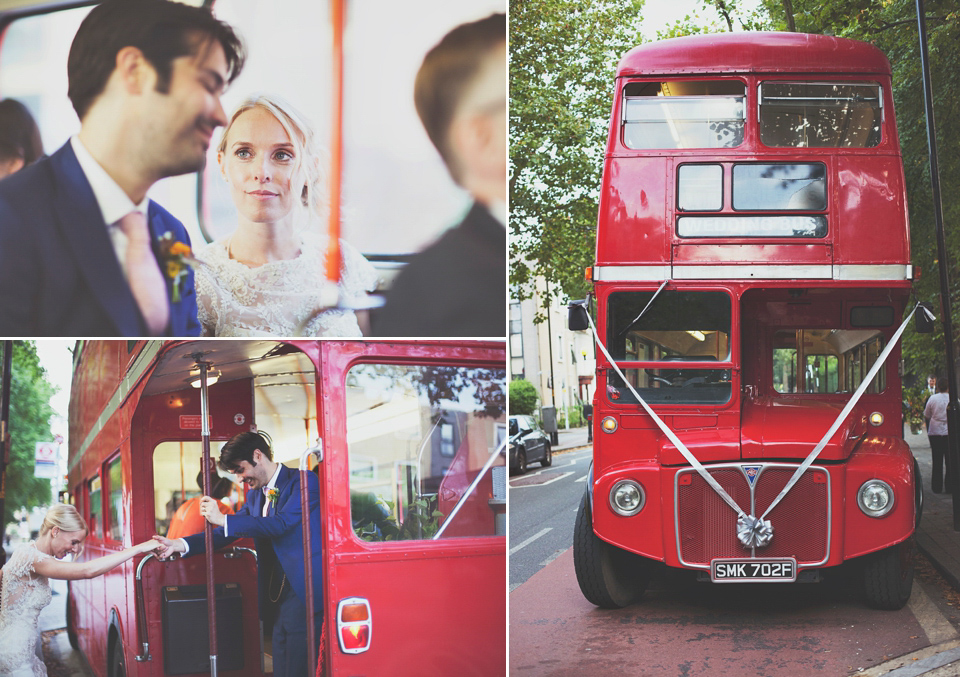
(357, 275)
(209, 294)
(18, 575)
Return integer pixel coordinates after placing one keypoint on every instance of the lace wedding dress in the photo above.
(24, 595)
(276, 298)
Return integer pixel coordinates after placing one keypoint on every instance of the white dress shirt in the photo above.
(111, 199)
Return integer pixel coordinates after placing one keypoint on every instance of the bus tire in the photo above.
(888, 576)
(547, 458)
(118, 667)
(71, 619)
(609, 577)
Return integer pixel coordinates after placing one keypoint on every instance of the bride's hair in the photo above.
(309, 157)
(65, 517)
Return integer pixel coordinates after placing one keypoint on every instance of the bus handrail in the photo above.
(308, 547)
(142, 612)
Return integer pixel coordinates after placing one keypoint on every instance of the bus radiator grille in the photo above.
(707, 526)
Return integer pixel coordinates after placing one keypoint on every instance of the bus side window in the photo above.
(418, 437)
(96, 508)
(115, 500)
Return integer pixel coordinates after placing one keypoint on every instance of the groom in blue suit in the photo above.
(83, 251)
(273, 517)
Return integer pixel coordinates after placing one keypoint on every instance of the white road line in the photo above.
(582, 479)
(552, 557)
(937, 628)
(541, 484)
(530, 540)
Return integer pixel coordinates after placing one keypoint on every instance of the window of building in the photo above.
(418, 436)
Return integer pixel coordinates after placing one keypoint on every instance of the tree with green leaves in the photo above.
(563, 57)
(30, 413)
(523, 397)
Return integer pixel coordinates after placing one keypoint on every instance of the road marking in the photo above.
(530, 540)
(552, 557)
(514, 487)
(583, 479)
(937, 628)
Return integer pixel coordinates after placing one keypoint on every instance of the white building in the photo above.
(561, 364)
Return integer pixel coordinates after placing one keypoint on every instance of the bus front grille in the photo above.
(707, 527)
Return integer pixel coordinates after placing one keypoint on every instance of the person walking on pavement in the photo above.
(935, 415)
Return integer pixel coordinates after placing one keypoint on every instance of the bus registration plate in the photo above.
(753, 570)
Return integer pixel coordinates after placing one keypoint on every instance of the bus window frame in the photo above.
(406, 360)
(847, 79)
(619, 118)
(733, 363)
(91, 525)
(106, 490)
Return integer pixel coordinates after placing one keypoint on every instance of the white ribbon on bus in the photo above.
(756, 532)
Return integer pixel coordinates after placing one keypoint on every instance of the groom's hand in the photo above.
(210, 509)
(169, 547)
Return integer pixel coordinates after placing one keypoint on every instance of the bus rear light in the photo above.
(627, 498)
(588, 273)
(354, 625)
(608, 424)
(876, 418)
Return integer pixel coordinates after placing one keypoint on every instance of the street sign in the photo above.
(45, 460)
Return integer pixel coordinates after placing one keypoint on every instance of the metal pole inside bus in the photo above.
(4, 429)
(207, 526)
(953, 408)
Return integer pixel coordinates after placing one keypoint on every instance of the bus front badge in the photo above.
(754, 532)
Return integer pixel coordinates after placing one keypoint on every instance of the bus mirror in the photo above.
(577, 319)
(925, 321)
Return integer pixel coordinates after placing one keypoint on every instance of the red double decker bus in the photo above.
(412, 500)
(752, 264)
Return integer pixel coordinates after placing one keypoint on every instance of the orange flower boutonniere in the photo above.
(272, 495)
(175, 257)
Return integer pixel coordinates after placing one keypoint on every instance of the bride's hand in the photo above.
(152, 545)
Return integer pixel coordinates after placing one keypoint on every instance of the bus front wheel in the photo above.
(609, 577)
(888, 576)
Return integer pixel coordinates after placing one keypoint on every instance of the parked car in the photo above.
(528, 443)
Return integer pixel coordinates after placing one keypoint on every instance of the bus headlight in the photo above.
(627, 498)
(608, 424)
(876, 418)
(875, 498)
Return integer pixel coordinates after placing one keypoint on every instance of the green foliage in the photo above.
(30, 413)
(373, 519)
(563, 56)
(914, 402)
(523, 397)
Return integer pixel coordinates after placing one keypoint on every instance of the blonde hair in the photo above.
(63, 516)
(313, 195)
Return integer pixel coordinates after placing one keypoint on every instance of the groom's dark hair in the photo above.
(162, 29)
(241, 447)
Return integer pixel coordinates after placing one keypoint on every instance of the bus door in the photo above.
(171, 595)
(411, 432)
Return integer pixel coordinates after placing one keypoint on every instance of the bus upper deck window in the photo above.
(820, 115)
(683, 114)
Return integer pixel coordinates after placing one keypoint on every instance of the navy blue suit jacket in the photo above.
(283, 530)
(59, 275)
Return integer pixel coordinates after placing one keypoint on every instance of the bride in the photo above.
(25, 589)
(267, 276)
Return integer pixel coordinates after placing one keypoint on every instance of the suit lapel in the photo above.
(82, 227)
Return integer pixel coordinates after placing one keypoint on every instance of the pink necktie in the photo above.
(143, 274)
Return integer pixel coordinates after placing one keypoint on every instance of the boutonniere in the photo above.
(272, 495)
(175, 257)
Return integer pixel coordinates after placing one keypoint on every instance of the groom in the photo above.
(273, 517)
(83, 251)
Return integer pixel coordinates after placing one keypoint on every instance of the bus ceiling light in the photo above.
(875, 498)
(876, 418)
(213, 375)
(627, 498)
(608, 424)
(354, 625)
